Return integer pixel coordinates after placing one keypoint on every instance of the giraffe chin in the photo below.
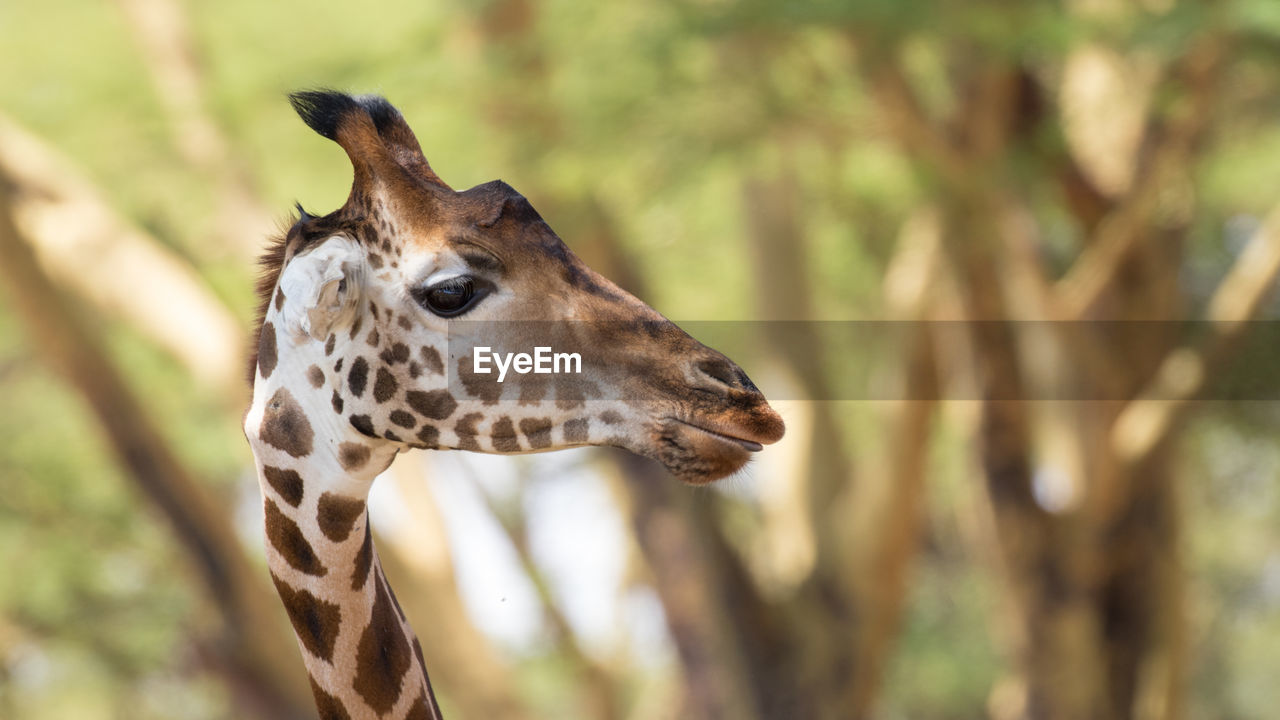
(698, 455)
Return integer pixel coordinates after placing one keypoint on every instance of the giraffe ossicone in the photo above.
(370, 318)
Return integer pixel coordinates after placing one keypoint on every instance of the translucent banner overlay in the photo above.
(864, 360)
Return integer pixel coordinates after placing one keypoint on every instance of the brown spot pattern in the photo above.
(384, 388)
(330, 707)
(279, 299)
(285, 426)
(337, 402)
(610, 417)
(533, 388)
(419, 710)
(404, 322)
(575, 431)
(286, 537)
(466, 431)
(315, 621)
(397, 353)
(431, 358)
(395, 602)
(478, 385)
(415, 369)
(429, 436)
(358, 376)
(286, 483)
(364, 424)
(417, 652)
(267, 350)
(353, 456)
(315, 376)
(337, 514)
(503, 435)
(364, 561)
(537, 431)
(382, 656)
(573, 392)
(329, 343)
(373, 338)
(433, 404)
(403, 419)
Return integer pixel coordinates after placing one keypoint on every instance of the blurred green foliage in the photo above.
(655, 110)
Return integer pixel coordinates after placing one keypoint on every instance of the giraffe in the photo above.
(359, 358)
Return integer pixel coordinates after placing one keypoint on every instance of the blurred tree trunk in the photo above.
(88, 248)
(892, 500)
(252, 647)
(1092, 570)
(823, 615)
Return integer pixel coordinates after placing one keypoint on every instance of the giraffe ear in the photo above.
(322, 288)
(372, 132)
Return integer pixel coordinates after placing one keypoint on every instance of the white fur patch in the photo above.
(317, 302)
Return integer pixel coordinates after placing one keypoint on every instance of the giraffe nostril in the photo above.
(722, 371)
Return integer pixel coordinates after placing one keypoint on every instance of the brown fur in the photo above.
(315, 621)
(287, 483)
(383, 655)
(337, 515)
(288, 540)
(330, 707)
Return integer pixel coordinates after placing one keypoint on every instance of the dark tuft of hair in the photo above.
(301, 233)
(385, 116)
(270, 263)
(322, 110)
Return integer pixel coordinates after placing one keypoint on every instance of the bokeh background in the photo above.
(1036, 478)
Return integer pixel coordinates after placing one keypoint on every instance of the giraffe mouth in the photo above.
(745, 444)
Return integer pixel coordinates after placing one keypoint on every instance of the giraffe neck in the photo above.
(315, 473)
(363, 657)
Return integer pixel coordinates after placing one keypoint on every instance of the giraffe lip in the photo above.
(749, 445)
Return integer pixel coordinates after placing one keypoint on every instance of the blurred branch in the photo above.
(598, 684)
(256, 650)
(1038, 554)
(161, 30)
(85, 246)
(784, 301)
(890, 534)
(1171, 147)
(916, 132)
(824, 621)
(1148, 420)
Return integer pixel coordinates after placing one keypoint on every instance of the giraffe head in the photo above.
(382, 305)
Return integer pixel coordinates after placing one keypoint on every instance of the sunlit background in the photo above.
(1063, 516)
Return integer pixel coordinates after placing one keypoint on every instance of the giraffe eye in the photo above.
(451, 297)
